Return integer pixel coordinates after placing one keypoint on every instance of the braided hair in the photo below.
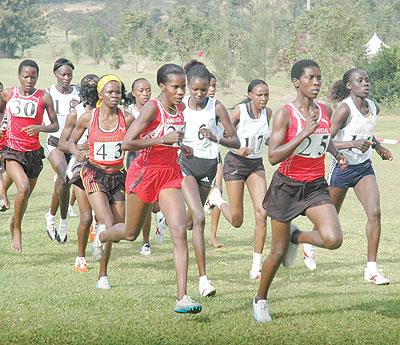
(339, 90)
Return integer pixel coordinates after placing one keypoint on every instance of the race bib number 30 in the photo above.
(23, 108)
(107, 151)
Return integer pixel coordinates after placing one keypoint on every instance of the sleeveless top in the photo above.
(307, 162)
(63, 104)
(194, 121)
(357, 126)
(105, 146)
(164, 123)
(253, 133)
(22, 111)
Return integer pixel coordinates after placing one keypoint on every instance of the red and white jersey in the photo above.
(307, 163)
(105, 146)
(164, 123)
(22, 111)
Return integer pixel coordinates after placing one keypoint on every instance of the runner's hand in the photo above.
(187, 151)
(173, 138)
(206, 133)
(385, 154)
(363, 145)
(342, 161)
(244, 151)
(311, 125)
(32, 129)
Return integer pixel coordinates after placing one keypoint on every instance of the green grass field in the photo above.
(43, 301)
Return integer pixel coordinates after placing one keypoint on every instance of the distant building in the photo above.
(374, 45)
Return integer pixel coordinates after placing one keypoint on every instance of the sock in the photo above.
(371, 266)
(203, 280)
(256, 266)
(51, 216)
(63, 222)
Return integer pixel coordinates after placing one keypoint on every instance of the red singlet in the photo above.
(307, 163)
(164, 123)
(23, 111)
(105, 146)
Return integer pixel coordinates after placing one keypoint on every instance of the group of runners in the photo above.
(174, 167)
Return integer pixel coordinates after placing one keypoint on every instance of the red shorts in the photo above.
(147, 182)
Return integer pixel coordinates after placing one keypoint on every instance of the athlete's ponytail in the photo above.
(339, 90)
(196, 69)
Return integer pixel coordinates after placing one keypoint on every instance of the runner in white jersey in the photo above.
(88, 96)
(65, 98)
(202, 134)
(353, 130)
(245, 166)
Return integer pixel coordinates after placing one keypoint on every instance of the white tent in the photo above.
(374, 45)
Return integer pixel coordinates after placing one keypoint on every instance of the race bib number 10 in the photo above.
(23, 108)
(107, 151)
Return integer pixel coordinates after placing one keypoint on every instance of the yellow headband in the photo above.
(103, 81)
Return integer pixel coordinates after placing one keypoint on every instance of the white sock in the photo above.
(63, 222)
(203, 280)
(256, 266)
(51, 216)
(371, 265)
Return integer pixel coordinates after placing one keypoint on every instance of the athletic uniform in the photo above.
(105, 150)
(299, 182)
(156, 168)
(203, 164)
(132, 154)
(22, 111)
(74, 167)
(253, 133)
(63, 104)
(357, 126)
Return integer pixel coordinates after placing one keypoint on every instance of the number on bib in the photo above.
(314, 146)
(107, 151)
(24, 108)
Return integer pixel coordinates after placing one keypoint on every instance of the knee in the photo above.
(131, 236)
(198, 218)
(374, 215)
(23, 188)
(237, 220)
(178, 234)
(332, 241)
(261, 215)
(277, 253)
(85, 219)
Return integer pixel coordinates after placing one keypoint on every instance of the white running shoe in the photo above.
(51, 227)
(103, 283)
(81, 265)
(260, 310)
(187, 306)
(97, 246)
(206, 289)
(255, 275)
(161, 227)
(309, 253)
(62, 233)
(72, 212)
(212, 198)
(376, 277)
(291, 252)
(145, 250)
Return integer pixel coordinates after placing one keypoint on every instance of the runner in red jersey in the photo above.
(156, 175)
(22, 154)
(103, 174)
(299, 139)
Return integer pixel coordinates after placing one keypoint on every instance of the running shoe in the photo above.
(255, 275)
(3, 206)
(103, 283)
(51, 227)
(145, 250)
(187, 306)
(81, 265)
(212, 198)
(161, 227)
(291, 252)
(309, 253)
(206, 289)
(260, 310)
(376, 277)
(62, 233)
(72, 212)
(97, 246)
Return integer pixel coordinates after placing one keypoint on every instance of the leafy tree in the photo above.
(22, 25)
(77, 49)
(94, 42)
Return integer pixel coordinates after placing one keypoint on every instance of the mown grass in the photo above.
(43, 301)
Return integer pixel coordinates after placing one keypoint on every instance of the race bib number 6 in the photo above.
(107, 151)
(23, 108)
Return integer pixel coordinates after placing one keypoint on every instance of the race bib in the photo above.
(107, 151)
(313, 146)
(25, 108)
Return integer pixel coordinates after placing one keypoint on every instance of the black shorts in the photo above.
(2, 167)
(31, 161)
(202, 169)
(51, 143)
(287, 198)
(97, 180)
(238, 168)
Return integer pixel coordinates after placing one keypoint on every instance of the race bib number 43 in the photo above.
(23, 108)
(107, 151)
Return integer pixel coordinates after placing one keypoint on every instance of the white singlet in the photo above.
(253, 133)
(357, 126)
